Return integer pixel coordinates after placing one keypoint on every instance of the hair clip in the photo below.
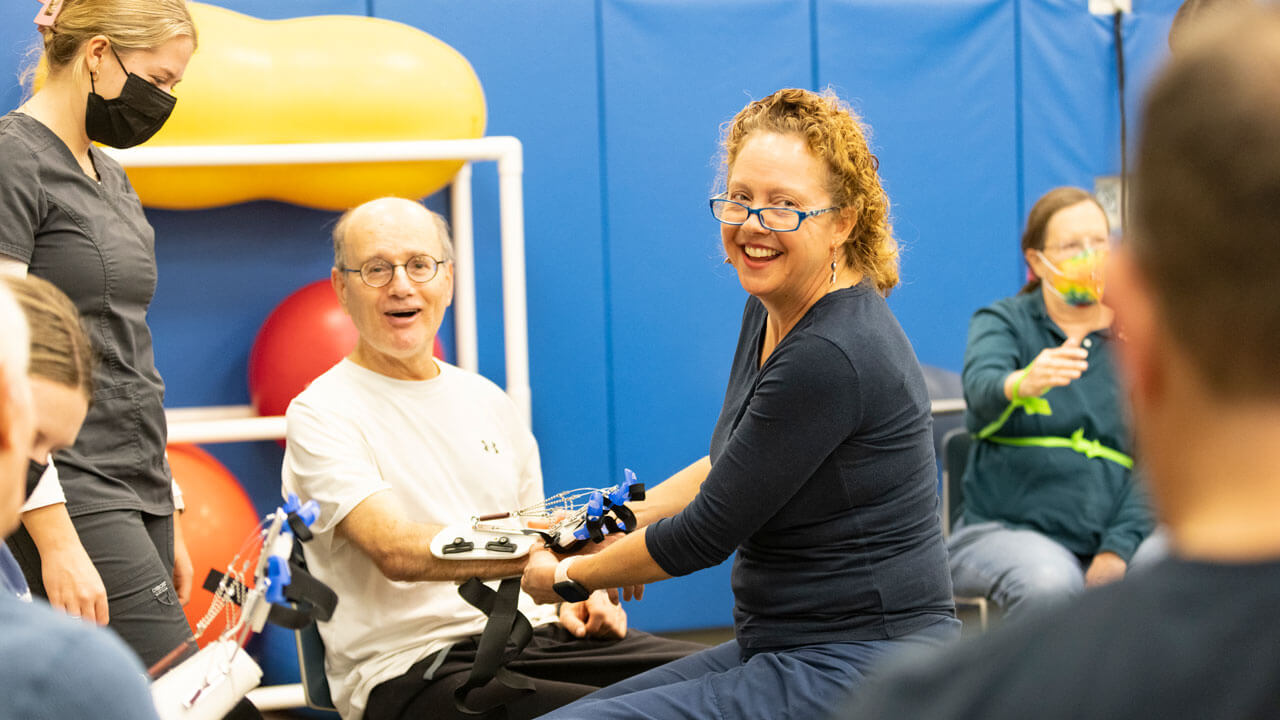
(48, 12)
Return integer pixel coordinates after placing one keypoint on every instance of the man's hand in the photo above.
(73, 584)
(1107, 567)
(597, 617)
(540, 575)
(182, 569)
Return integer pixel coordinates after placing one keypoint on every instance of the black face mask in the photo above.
(130, 119)
(34, 471)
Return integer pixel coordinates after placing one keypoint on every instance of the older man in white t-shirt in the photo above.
(394, 445)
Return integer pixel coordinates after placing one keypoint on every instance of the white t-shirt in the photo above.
(447, 448)
(48, 491)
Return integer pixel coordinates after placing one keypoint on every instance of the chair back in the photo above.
(315, 686)
(955, 456)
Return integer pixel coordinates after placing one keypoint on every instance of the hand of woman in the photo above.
(71, 581)
(1107, 567)
(1053, 367)
(73, 584)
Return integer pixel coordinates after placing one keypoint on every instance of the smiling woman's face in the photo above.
(776, 170)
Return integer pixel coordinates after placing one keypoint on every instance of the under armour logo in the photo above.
(490, 446)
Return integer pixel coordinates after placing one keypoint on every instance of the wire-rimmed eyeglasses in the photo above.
(777, 219)
(377, 272)
(1075, 246)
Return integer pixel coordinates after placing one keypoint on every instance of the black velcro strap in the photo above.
(506, 624)
(593, 529)
(288, 617)
(299, 527)
(315, 601)
(627, 517)
(305, 590)
(214, 578)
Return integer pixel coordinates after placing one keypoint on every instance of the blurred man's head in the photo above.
(1197, 290)
(16, 420)
(1196, 12)
(1207, 202)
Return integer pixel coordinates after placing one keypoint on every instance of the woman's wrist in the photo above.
(565, 586)
(1013, 384)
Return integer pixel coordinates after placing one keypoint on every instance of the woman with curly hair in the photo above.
(821, 473)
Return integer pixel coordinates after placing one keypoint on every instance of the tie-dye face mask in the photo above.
(1079, 280)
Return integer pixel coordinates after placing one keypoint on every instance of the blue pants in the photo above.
(810, 681)
(1021, 571)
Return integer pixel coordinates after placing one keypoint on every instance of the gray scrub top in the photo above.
(93, 241)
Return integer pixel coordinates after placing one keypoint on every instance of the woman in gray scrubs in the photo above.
(69, 215)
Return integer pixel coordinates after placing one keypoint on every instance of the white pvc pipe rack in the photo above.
(506, 151)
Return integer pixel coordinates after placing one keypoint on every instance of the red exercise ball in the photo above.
(218, 519)
(307, 334)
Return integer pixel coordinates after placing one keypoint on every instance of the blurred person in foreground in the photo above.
(1198, 305)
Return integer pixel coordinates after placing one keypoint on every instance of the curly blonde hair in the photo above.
(835, 134)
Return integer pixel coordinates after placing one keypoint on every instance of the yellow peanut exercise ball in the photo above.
(328, 78)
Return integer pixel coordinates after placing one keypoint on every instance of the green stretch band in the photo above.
(1034, 405)
(1077, 441)
(1040, 406)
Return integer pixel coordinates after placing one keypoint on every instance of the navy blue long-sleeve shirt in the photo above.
(823, 479)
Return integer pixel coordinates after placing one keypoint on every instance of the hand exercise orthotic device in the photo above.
(565, 523)
(260, 583)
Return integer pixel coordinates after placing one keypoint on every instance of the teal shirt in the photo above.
(1089, 505)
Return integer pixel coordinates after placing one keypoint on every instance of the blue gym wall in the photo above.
(977, 108)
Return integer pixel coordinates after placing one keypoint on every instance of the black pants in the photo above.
(562, 668)
(133, 553)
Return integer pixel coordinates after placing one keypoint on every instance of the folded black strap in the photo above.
(627, 517)
(506, 624)
(315, 601)
(310, 594)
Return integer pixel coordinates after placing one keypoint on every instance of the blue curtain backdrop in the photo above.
(977, 107)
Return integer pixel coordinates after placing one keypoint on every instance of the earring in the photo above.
(833, 266)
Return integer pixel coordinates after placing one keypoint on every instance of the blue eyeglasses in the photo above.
(777, 219)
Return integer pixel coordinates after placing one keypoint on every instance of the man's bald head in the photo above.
(383, 211)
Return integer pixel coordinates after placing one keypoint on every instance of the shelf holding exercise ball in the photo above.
(218, 520)
(305, 335)
(332, 78)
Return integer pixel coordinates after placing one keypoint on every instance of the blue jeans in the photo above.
(810, 681)
(1020, 571)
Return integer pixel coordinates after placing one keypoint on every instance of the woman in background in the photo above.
(69, 215)
(1050, 501)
